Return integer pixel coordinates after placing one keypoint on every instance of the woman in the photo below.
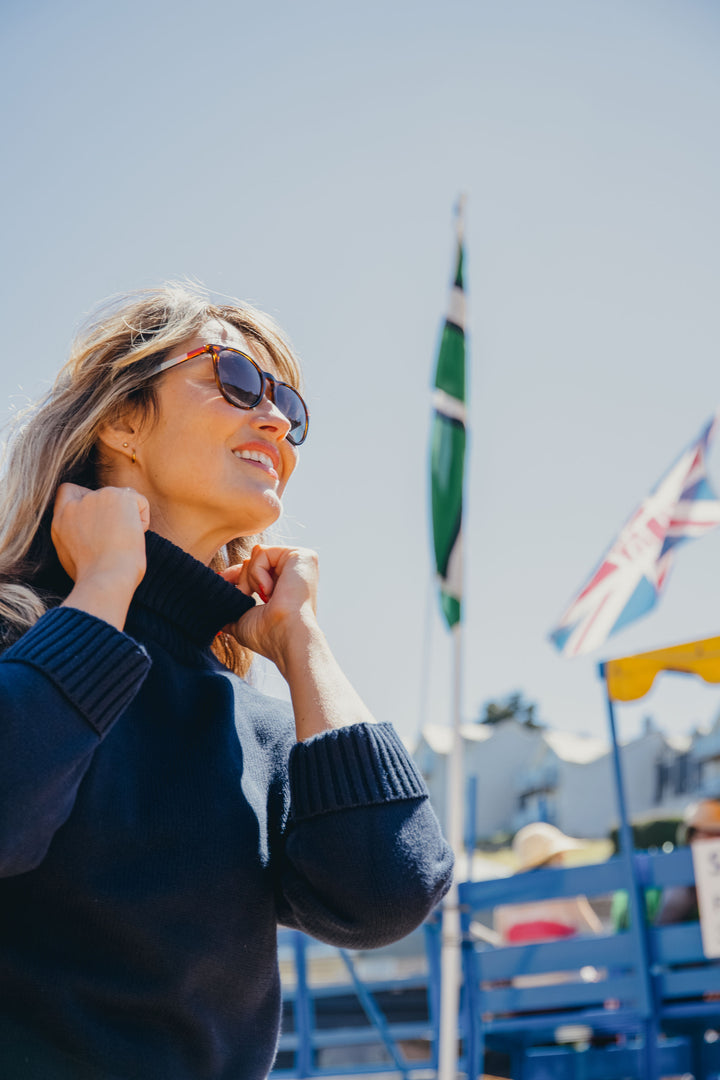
(159, 815)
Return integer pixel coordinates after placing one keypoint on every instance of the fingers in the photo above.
(232, 573)
(144, 508)
(259, 572)
(254, 575)
(284, 578)
(71, 493)
(67, 493)
(277, 558)
(100, 530)
(263, 568)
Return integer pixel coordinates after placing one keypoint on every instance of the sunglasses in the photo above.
(242, 383)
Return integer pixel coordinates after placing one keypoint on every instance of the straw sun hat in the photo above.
(536, 843)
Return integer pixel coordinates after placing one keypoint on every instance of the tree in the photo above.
(513, 707)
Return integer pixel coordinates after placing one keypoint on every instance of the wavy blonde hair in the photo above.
(108, 372)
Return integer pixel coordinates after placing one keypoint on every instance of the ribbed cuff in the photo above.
(352, 766)
(98, 668)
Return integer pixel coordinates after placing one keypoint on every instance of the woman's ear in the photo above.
(118, 436)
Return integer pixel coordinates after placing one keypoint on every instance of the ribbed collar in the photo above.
(180, 601)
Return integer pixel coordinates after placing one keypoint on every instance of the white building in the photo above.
(565, 786)
(706, 760)
(528, 774)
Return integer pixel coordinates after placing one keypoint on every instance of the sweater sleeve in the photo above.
(62, 687)
(364, 859)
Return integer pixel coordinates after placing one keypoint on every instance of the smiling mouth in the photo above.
(258, 457)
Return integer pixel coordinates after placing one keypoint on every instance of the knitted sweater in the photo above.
(158, 819)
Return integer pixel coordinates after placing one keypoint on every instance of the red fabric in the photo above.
(539, 928)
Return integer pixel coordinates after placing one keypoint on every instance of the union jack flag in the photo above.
(633, 573)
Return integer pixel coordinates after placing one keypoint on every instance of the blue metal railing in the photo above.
(340, 1025)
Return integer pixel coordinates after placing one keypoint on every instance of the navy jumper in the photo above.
(158, 819)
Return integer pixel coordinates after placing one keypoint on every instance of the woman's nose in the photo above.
(266, 415)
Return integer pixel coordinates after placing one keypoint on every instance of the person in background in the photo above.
(678, 903)
(159, 816)
(539, 845)
(542, 845)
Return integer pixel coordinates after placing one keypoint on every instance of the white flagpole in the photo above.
(450, 950)
(450, 953)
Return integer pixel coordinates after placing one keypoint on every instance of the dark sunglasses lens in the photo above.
(242, 384)
(241, 380)
(292, 406)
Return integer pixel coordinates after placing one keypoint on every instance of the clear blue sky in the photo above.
(307, 156)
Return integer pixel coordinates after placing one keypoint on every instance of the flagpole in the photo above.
(451, 938)
(452, 587)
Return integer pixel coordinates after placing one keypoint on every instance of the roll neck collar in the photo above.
(180, 600)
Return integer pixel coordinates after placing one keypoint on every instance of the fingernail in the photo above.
(262, 595)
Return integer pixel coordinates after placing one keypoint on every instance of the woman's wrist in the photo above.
(295, 639)
(105, 594)
(322, 696)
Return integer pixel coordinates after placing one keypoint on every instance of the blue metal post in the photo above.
(373, 1013)
(636, 895)
(626, 837)
(433, 929)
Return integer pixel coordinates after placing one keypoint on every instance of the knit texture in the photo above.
(157, 821)
(190, 615)
(352, 766)
(58, 645)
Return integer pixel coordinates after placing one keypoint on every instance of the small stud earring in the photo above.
(126, 445)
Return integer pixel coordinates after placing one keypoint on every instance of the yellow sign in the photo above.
(630, 677)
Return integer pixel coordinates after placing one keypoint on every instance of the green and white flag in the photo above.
(447, 456)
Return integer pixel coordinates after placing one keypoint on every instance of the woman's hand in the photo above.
(284, 629)
(286, 581)
(99, 537)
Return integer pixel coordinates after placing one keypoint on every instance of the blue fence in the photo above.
(337, 1020)
(644, 1002)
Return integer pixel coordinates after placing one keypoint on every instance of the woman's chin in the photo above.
(262, 519)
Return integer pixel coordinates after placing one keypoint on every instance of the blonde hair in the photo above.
(108, 371)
